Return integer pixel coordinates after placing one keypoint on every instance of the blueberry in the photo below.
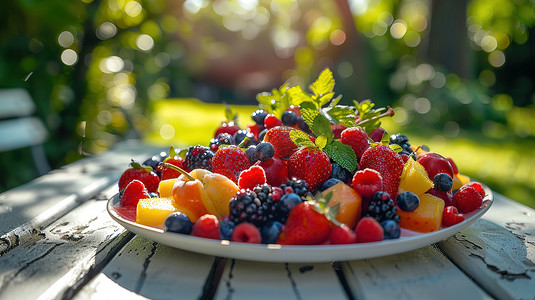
(340, 173)
(288, 202)
(262, 134)
(251, 153)
(443, 182)
(155, 160)
(328, 183)
(240, 135)
(391, 229)
(407, 201)
(153, 195)
(226, 227)
(302, 124)
(178, 222)
(398, 139)
(289, 118)
(270, 232)
(264, 151)
(258, 116)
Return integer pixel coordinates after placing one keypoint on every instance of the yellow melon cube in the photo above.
(459, 180)
(414, 178)
(153, 211)
(165, 188)
(427, 217)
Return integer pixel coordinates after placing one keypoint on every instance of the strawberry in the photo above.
(342, 235)
(337, 130)
(366, 182)
(467, 199)
(141, 173)
(246, 233)
(134, 191)
(279, 137)
(305, 226)
(252, 177)
(369, 230)
(174, 159)
(357, 138)
(310, 164)
(271, 121)
(450, 216)
(229, 127)
(206, 226)
(388, 163)
(230, 161)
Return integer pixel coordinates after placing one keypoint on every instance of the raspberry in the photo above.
(467, 199)
(369, 230)
(134, 191)
(206, 226)
(252, 177)
(478, 188)
(342, 235)
(357, 138)
(246, 233)
(367, 182)
(450, 216)
(198, 157)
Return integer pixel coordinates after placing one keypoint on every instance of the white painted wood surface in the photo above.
(498, 251)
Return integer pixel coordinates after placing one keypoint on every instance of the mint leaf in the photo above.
(325, 98)
(275, 102)
(324, 84)
(229, 114)
(308, 112)
(342, 154)
(300, 138)
(321, 141)
(341, 114)
(297, 96)
(322, 126)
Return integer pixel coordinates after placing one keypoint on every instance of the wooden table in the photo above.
(58, 241)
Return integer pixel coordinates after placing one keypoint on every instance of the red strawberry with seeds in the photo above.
(252, 177)
(230, 161)
(366, 182)
(134, 191)
(467, 199)
(174, 159)
(141, 173)
(227, 127)
(305, 226)
(388, 163)
(342, 235)
(357, 138)
(279, 137)
(310, 164)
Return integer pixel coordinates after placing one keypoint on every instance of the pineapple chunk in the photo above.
(153, 211)
(165, 188)
(427, 217)
(414, 178)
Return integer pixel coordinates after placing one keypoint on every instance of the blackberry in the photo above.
(198, 157)
(382, 207)
(403, 141)
(255, 206)
(298, 186)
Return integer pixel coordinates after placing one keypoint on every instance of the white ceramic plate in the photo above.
(277, 253)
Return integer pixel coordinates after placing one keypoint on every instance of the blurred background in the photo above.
(459, 73)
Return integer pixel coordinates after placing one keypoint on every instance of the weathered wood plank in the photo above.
(256, 280)
(27, 209)
(420, 274)
(498, 251)
(61, 257)
(151, 270)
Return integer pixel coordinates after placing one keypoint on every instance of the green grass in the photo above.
(507, 167)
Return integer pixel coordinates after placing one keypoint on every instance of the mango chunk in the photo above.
(414, 178)
(459, 180)
(427, 217)
(153, 211)
(165, 188)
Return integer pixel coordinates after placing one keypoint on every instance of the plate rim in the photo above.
(296, 253)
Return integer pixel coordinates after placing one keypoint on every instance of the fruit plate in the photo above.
(278, 253)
